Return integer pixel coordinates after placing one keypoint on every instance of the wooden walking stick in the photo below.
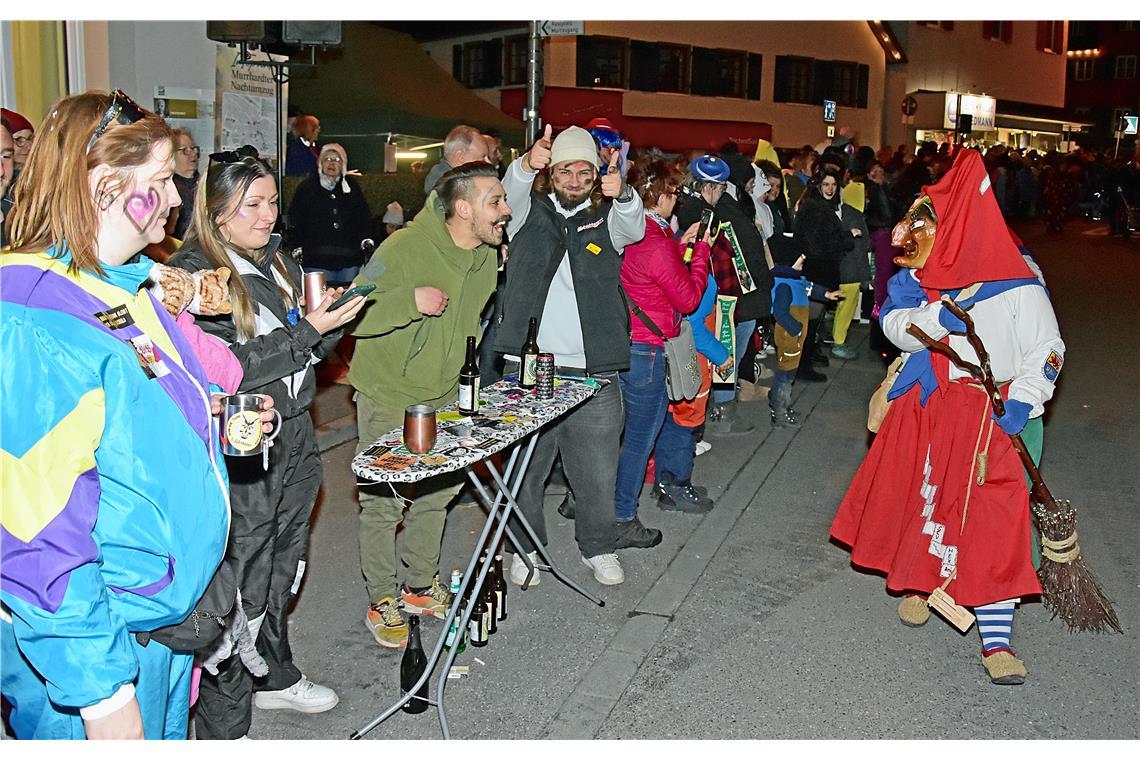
(1068, 587)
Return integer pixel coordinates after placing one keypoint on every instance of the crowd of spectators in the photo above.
(612, 249)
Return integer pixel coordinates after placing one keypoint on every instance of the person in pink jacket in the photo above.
(660, 289)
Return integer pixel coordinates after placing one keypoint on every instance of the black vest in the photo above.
(536, 252)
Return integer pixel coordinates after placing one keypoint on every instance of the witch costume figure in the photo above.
(941, 501)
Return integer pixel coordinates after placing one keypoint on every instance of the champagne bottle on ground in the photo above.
(500, 590)
(454, 633)
(412, 667)
(528, 357)
(469, 382)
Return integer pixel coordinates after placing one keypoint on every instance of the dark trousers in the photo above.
(269, 537)
(646, 403)
(588, 438)
(675, 452)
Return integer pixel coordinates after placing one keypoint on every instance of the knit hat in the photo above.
(708, 168)
(574, 144)
(18, 123)
(394, 214)
(339, 150)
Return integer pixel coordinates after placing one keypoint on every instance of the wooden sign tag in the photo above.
(944, 604)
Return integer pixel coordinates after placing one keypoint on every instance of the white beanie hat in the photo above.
(339, 150)
(394, 214)
(574, 144)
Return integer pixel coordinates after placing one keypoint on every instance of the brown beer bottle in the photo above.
(528, 357)
(469, 382)
(477, 624)
(500, 589)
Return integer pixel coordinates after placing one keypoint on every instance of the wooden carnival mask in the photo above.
(915, 234)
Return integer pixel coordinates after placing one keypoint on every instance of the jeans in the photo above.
(336, 276)
(675, 452)
(744, 332)
(588, 438)
(646, 401)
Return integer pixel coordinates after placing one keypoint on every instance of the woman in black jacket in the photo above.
(825, 243)
(329, 219)
(276, 344)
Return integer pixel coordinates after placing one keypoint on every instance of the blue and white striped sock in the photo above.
(995, 624)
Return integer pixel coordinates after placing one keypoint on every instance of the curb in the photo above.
(336, 433)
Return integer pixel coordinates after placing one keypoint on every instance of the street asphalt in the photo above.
(747, 623)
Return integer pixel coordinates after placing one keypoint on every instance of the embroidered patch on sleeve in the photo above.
(1052, 366)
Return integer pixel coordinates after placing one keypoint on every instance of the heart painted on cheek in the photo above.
(142, 208)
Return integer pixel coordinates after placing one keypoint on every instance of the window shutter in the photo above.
(823, 81)
(864, 79)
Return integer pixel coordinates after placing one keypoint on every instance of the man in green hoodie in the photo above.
(432, 280)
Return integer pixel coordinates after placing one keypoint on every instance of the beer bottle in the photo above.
(469, 382)
(500, 589)
(477, 623)
(454, 633)
(412, 667)
(489, 597)
(528, 357)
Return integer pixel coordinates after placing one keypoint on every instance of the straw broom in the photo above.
(1068, 587)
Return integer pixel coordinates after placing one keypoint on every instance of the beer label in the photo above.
(243, 430)
(529, 369)
(469, 396)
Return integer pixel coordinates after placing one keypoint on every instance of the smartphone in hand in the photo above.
(351, 293)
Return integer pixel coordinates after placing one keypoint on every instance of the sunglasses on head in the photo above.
(122, 110)
(233, 156)
(607, 138)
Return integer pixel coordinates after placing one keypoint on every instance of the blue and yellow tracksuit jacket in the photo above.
(115, 499)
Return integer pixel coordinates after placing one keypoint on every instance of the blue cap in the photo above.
(709, 169)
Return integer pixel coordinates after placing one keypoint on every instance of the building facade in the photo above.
(678, 85)
(1103, 82)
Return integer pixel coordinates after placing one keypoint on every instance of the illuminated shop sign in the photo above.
(984, 110)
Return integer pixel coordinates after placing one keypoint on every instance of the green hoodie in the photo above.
(401, 356)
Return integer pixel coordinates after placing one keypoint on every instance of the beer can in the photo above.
(314, 290)
(544, 376)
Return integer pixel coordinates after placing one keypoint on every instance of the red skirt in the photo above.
(903, 514)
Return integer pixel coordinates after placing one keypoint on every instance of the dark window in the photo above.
(755, 62)
(1125, 67)
(1083, 35)
(516, 59)
(483, 64)
(1128, 26)
(998, 30)
(719, 73)
(793, 79)
(457, 62)
(601, 62)
(846, 83)
(657, 67)
(823, 81)
(1051, 36)
(1081, 70)
(863, 86)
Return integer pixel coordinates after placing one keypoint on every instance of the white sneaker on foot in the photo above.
(702, 447)
(607, 569)
(303, 696)
(519, 570)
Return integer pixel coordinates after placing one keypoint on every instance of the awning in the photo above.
(380, 82)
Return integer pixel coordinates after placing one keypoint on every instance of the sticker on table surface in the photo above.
(433, 460)
(394, 462)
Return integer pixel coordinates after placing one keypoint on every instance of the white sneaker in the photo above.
(519, 570)
(607, 569)
(303, 696)
(702, 447)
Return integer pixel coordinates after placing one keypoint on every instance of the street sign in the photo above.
(829, 110)
(1128, 124)
(561, 28)
(909, 106)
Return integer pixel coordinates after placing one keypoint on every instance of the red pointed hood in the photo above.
(973, 243)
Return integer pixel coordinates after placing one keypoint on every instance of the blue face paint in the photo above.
(607, 138)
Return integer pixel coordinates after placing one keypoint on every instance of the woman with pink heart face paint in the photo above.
(109, 438)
